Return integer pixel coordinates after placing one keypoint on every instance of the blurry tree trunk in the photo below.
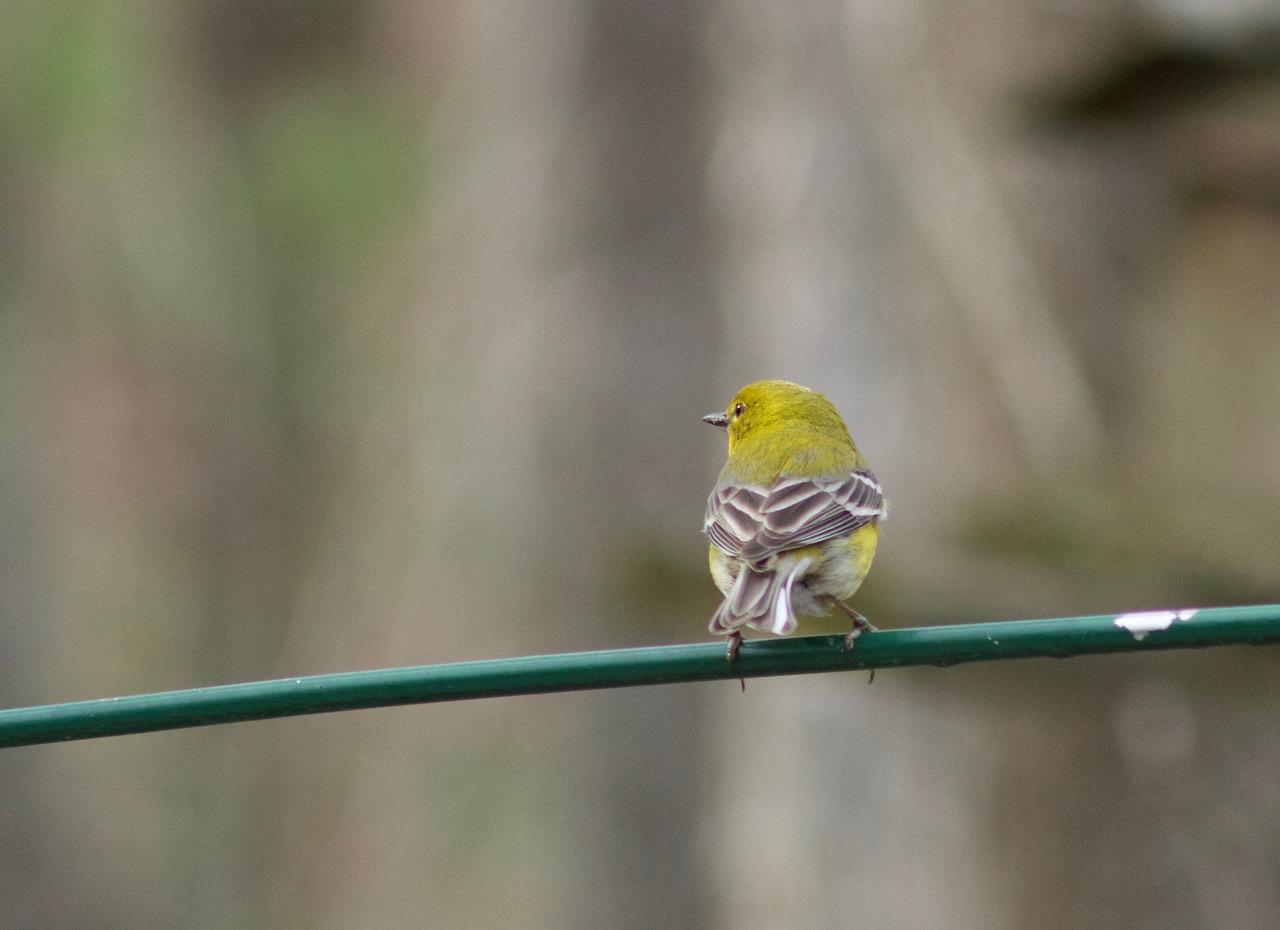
(626, 502)
(567, 336)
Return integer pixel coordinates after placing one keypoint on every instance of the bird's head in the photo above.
(764, 406)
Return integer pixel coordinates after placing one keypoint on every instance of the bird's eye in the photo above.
(738, 408)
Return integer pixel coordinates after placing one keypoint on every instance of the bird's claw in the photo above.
(860, 623)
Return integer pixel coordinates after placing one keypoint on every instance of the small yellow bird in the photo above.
(794, 519)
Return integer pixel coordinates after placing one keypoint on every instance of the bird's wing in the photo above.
(755, 522)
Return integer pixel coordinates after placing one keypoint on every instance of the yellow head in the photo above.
(766, 407)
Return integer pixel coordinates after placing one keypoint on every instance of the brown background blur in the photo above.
(337, 335)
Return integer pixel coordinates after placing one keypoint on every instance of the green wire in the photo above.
(619, 668)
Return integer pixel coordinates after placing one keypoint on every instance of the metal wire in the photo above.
(620, 668)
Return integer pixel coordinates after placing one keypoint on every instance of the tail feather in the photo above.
(760, 601)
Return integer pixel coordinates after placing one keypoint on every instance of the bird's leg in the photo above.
(732, 645)
(860, 623)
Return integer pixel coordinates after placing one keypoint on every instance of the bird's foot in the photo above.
(860, 623)
(732, 645)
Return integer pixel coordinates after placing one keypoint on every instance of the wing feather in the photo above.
(755, 522)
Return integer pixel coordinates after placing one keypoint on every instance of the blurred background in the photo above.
(339, 334)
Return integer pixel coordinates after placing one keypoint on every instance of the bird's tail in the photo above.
(759, 600)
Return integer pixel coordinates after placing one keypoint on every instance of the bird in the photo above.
(793, 519)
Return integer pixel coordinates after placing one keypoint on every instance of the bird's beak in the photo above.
(716, 419)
